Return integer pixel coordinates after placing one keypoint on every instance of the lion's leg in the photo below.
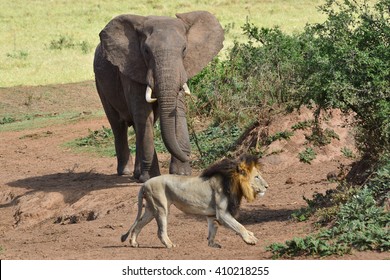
(233, 224)
(162, 222)
(213, 227)
(146, 218)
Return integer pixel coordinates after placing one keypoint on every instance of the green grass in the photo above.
(44, 120)
(52, 42)
(101, 142)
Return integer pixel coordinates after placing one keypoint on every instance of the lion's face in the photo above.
(258, 184)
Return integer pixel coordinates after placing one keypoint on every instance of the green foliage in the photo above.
(67, 42)
(279, 136)
(101, 142)
(348, 68)
(325, 206)
(307, 155)
(96, 138)
(320, 137)
(18, 55)
(6, 120)
(342, 63)
(360, 223)
(302, 125)
(214, 143)
(347, 152)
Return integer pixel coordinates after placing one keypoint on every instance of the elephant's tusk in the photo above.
(186, 89)
(148, 95)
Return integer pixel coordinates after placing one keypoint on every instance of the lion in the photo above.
(216, 194)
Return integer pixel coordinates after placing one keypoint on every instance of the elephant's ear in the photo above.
(121, 46)
(205, 38)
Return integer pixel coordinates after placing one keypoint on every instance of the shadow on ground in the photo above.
(72, 185)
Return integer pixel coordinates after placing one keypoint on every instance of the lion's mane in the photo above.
(235, 179)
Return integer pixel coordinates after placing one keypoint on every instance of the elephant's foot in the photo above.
(180, 168)
(124, 166)
(123, 171)
(146, 176)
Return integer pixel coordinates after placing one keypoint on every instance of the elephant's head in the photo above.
(163, 53)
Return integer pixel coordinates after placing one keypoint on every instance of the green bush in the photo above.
(341, 63)
(67, 42)
(360, 223)
(348, 67)
(307, 155)
(256, 75)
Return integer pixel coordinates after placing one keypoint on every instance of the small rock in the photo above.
(289, 181)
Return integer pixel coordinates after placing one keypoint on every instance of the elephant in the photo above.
(142, 65)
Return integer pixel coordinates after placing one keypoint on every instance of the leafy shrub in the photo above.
(63, 42)
(214, 143)
(18, 55)
(347, 67)
(341, 63)
(357, 217)
(6, 120)
(67, 42)
(286, 134)
(307, 155)
(302, 125)
(360, 223)
(347, 152)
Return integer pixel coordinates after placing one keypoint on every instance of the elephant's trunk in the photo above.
(169, 119)
(169, 79)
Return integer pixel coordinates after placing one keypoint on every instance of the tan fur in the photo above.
(216, 194)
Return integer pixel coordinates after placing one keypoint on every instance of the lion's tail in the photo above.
(140, 202)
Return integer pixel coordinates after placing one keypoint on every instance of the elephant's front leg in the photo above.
(146, 162)
(176, 166)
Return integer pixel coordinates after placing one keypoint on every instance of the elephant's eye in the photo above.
(184, 50)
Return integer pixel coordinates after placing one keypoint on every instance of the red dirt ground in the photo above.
(58, 204)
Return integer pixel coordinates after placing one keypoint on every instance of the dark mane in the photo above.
(224, 167)
(229, 169)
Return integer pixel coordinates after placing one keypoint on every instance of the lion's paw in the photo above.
(250, 239)
(170, 245)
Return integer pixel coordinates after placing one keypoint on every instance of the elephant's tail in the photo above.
(140, 203)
